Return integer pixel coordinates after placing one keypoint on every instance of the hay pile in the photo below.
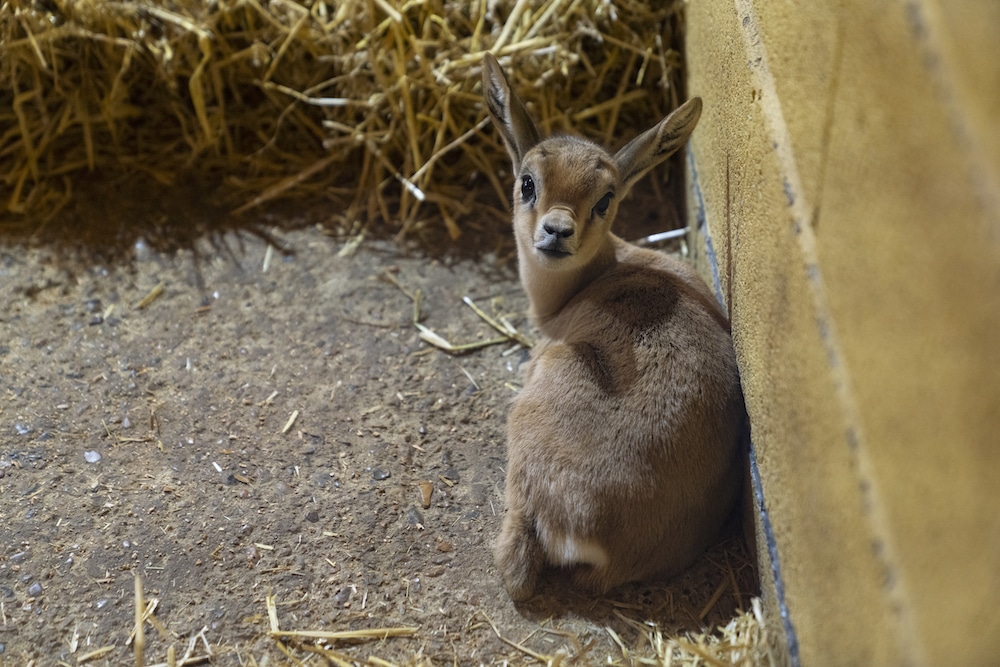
(374, 104)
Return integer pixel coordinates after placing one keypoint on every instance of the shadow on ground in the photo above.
(108, 215)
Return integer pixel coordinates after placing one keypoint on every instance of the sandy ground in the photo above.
(271, 425)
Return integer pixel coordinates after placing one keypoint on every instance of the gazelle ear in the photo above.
(508, 112)
(657, 143)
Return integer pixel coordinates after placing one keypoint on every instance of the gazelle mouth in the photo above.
(553, 252)
(552, 246)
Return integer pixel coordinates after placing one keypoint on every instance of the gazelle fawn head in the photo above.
(567, 189)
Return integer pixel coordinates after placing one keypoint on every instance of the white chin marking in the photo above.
(564, 550)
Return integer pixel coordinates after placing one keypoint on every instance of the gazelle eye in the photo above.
(527, 189)
(601, 207)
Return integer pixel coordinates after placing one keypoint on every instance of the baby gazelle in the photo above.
(623, 445)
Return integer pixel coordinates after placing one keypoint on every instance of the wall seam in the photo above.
(701, 225)
(935, 48)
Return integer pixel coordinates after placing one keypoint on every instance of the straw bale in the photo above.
(373, 104)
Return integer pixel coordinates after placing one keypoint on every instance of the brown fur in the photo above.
(623, 457)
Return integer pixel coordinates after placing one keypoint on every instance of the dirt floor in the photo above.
(272, 425)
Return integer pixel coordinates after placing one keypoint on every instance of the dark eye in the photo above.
(527, 189)
(601, 207)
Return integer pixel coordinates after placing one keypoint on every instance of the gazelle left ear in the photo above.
(657, 143)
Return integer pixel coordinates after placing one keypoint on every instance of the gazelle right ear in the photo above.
(508, 112)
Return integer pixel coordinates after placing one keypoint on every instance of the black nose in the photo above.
(554, 230)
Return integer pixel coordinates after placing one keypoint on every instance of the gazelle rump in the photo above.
(623, 445)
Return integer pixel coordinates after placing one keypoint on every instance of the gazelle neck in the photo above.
(550, 289)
